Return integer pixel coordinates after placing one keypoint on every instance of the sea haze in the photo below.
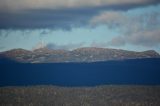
(128, 72)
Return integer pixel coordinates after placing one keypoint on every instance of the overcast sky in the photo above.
(70, 24)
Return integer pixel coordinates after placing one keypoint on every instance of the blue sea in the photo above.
(122, 72)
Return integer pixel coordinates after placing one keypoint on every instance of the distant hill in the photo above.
(90, 54)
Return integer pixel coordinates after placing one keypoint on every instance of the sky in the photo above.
(70, 24)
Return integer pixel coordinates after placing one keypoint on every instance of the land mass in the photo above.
(108, 95)
(90, 54)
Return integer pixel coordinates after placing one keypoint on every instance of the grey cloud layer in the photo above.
(65, 14)
(58, 14)
(12, 5)
(54, 19)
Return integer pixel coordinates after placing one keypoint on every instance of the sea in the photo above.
(118, 72)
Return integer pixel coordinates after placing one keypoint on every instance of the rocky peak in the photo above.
(16, 52)
(151, 53)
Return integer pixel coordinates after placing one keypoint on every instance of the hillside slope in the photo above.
(90, 54)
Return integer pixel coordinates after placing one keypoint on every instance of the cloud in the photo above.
(111, 18)
(137, 29)
(145, 38)
(150, 38)
(48, 19)
(117, 41)
(69, 46)
(59, 14)
(14, 5)
(129, 23)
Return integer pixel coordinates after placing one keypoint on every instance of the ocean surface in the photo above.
(128, 72)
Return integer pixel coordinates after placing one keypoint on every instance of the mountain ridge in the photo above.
(86, 54)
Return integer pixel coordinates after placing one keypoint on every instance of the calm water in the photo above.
(144, 72)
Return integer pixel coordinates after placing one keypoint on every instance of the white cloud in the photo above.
(145, 38)
(117, 41)
(148, 38)
(138, 29)
(111, 18)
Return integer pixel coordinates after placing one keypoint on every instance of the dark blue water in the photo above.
(130, 72)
